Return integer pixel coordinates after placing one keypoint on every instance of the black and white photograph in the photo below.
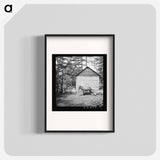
(79, 82)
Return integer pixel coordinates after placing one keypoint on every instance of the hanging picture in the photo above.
(79, 83)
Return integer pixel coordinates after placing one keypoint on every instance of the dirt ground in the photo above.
(79, 100)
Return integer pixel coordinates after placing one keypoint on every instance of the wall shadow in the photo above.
(39, 85)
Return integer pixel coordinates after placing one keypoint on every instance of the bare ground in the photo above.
(79, 100)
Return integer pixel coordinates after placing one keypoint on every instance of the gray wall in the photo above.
(134, 29)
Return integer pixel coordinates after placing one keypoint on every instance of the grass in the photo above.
(75, 100)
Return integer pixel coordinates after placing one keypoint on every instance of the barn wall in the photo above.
(85, 81)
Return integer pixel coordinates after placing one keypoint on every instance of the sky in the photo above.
(90, 62)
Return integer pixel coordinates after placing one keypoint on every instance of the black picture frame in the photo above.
(113, 91)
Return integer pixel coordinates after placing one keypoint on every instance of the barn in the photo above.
(88, 78)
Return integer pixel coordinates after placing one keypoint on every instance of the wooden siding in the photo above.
(87, 81)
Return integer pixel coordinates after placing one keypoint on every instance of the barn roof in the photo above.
(87, 72)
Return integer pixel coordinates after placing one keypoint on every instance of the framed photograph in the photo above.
(79, 83)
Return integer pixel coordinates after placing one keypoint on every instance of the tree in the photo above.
(99, 64)
(66, 70)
